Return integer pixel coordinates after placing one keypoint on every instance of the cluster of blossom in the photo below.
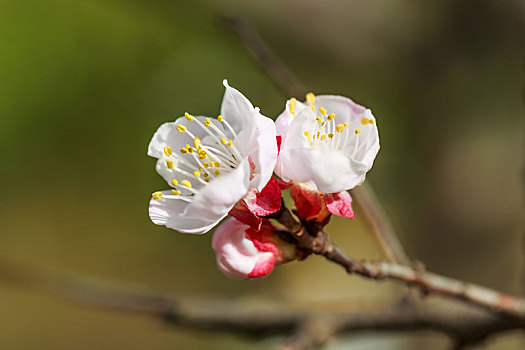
(223, 166)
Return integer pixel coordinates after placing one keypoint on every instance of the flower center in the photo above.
(326, 133)
(193, 166)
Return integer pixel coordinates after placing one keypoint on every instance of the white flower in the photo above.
(211, 163)
(329, 142)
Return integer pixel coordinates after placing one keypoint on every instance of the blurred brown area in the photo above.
(84, 84)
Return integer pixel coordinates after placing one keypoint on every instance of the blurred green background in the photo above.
(84, 84)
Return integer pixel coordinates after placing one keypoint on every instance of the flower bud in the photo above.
(245, 253)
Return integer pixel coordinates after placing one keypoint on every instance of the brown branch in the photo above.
(456, 319)
(367, 201)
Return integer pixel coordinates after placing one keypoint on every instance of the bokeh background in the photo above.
(84, 84)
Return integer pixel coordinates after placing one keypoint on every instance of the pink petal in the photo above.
(339, 204)
(307, 200)
(258, 204)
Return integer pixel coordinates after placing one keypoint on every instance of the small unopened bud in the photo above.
(245, 253)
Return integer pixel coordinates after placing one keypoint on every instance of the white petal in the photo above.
(330, 171)
(264, 155)
(167, 212)
(220, 195)
(236, 108)
(344, 108)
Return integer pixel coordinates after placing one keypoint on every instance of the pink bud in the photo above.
(244, 253)
(314, 205)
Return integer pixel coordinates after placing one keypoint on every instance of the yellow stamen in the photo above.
(186, 183)
(197, 142)
(346, 125)
(306, 133)
(205, 174)
(174, 182)
(167, 150)
(224, 141)
(220, 118)
(183, 150)
(357, 131)
(157, 195)
(205, 164)
(181, 128)
(322, 110)
(319, 119)
(230, 143)
(339, 127)
(175, 192)
(323, 137)
(201, 169)
(331, 136)
(310, 98)
(206, 180)
(217, 164)
(217, 172)
(190, 150)
(330, 116)
(169, 163)
(202, 156)
(293, 104)
(196, 174)
(313, 108)
(188, 116)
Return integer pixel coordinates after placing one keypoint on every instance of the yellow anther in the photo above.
(318, 133)
(330, 116)
(323, 137)
(319, 119)
(331, 136)
(220, 118)
(175, 192)
(187, 146)
(310, 98)
(197, 142)
(174, 182)
(217, 164)
(167, 150)
(202, 156)
(322, 110)
(293, 104)
(188, 116)
(293, 113)
(306, 133)
(169, 163)
(201, 169)
(157, 195)
(205, 174)
(346, 124)
(196, 174)
(224, 141)
(181, 128)
(323, 123)
(357, 131)
(370, 121)
(230, 143)
(313, 108)
(205, 164)
(190, 150)
(206, 180)
(339, 127)
(217, 172)
(183, 150)
(186, 183)
(207, 121)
